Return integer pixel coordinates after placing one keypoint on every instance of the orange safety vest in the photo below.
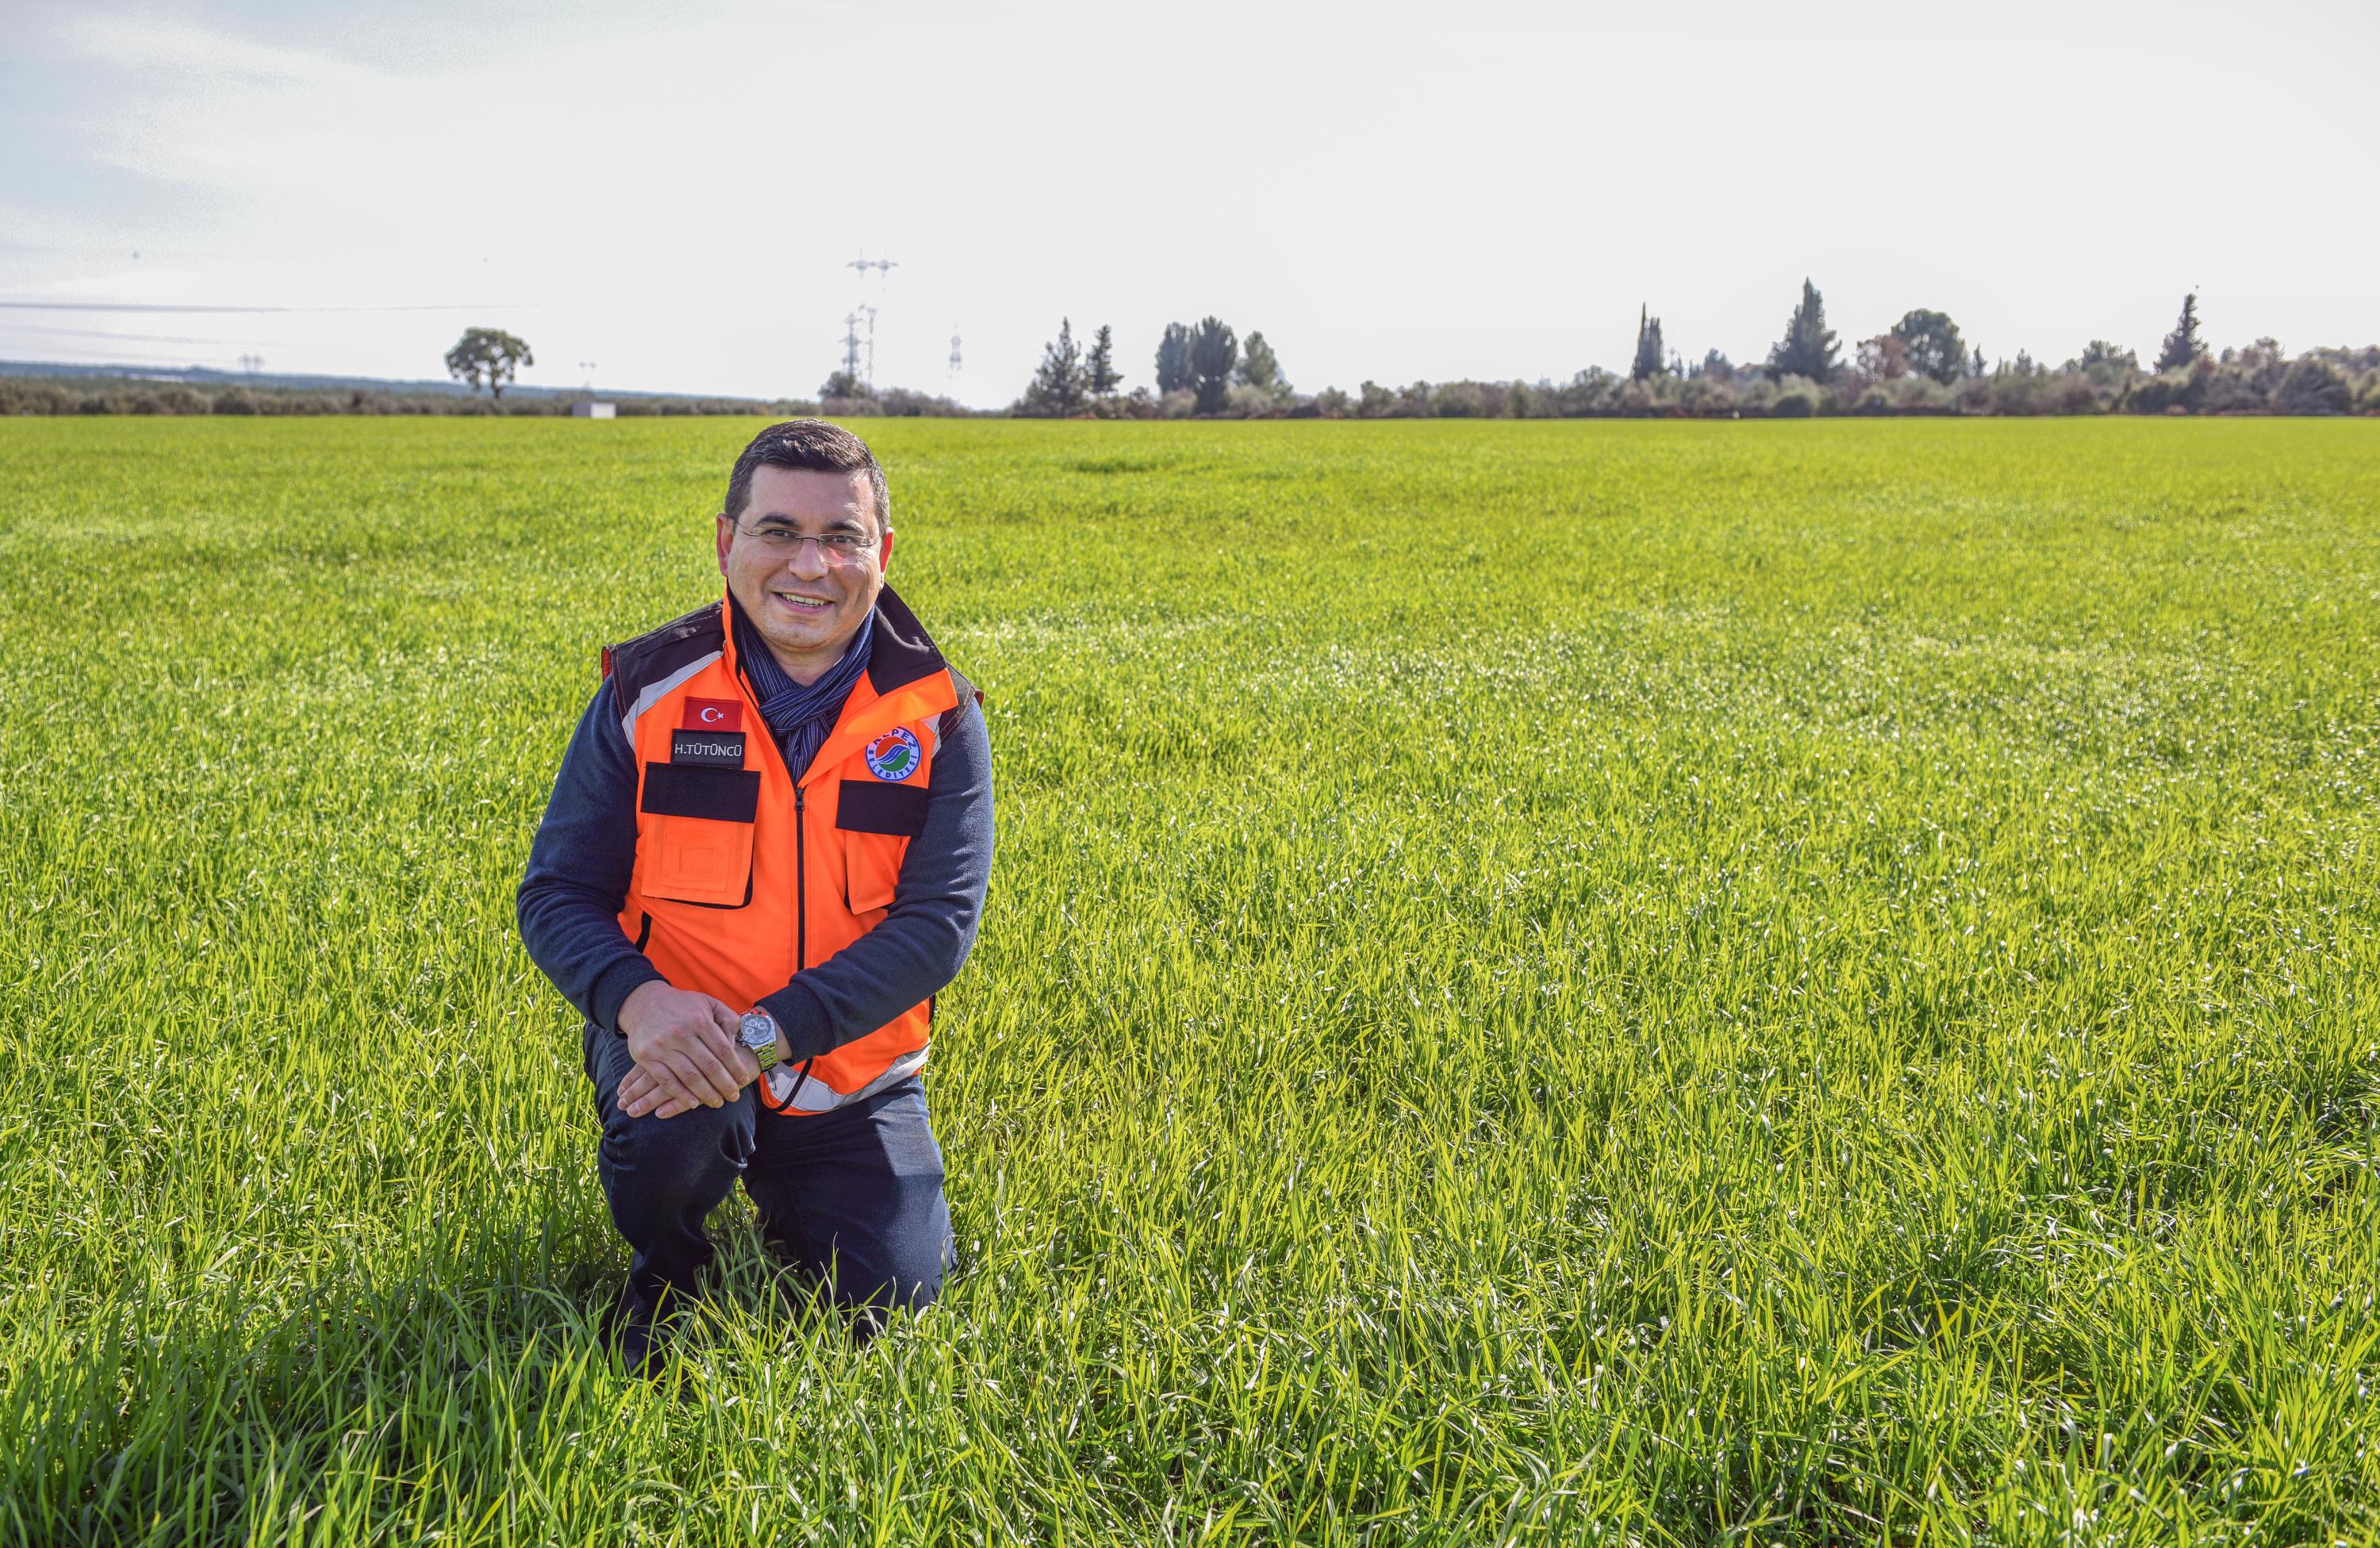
(745, 874)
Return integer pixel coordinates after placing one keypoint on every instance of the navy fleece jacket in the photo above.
(577, 881)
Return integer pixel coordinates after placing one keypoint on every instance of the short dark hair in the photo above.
(813, 444)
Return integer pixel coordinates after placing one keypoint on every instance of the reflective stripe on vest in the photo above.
(744, 875)
(816, 1096)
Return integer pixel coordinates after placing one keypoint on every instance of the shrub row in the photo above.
(2257, 380)
(98, 395)
(2245, 381)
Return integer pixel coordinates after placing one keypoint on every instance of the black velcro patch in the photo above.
(873, 806)
(691, 790)
(712, 750)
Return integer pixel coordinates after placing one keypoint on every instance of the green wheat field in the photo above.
(1560, 982)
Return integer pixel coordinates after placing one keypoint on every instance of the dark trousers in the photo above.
(853, 1197)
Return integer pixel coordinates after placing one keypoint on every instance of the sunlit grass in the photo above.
(1764, 984)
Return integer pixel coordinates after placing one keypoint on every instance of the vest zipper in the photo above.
(801, 917)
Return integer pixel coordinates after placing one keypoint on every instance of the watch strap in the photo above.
(765, 1054)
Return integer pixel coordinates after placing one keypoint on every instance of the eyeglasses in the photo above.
(781, 541)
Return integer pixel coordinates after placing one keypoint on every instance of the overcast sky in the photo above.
(1385, 190)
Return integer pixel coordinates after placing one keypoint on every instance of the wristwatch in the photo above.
(758, 1032)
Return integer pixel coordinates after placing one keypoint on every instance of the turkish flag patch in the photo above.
(714, 715)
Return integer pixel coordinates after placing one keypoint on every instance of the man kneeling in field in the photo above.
(765, 854)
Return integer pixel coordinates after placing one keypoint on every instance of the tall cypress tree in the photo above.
(1214, 350)
(1808, 347)
(2182, 349)
(1174, 358)
(1651, 361)
(1100, 375)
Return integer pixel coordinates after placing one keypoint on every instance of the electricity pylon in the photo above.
(883, 268)
(851, 346)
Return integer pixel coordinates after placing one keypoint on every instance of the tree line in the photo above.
(1922, 365)
(1202, 369)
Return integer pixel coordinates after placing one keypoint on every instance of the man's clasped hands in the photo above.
(685, 1050)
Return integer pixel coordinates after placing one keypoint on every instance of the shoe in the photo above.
(640, 1337)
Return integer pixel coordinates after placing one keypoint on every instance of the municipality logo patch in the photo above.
(894, 755)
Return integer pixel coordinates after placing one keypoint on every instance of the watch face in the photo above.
(758, 1030)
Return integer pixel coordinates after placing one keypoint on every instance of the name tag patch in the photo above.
(709, 749)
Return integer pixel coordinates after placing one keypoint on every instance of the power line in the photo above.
(135, 338)
(147, 306)
(113, 358)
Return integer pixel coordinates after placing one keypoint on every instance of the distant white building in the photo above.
(587, 408)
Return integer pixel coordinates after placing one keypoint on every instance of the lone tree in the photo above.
(1808, 347)
(489, 357)
(1057, 386)
(1214, 350)
(2182, 349)
(1100, 378)
(1174, 358)
(1932, 343)
(1260, 368)
(1650, 359)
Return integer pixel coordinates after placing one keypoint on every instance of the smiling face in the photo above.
(805, 600)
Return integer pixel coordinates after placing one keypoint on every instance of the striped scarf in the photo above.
(800, 715)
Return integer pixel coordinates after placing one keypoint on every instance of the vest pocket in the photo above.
(878, 819)
(871, 871)
(696, 860)
(694, 834)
